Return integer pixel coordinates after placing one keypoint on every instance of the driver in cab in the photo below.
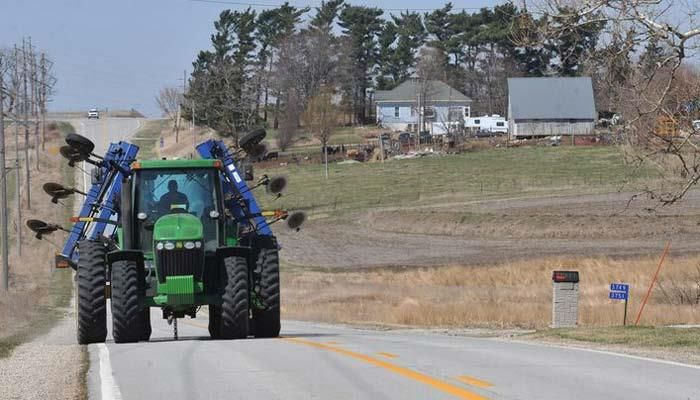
(173, 199)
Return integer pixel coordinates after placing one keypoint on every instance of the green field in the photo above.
(457, 178)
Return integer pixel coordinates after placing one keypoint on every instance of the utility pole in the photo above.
(18, 177)
(34, 100)
(3, 184)
(26, 123)
(43, 92)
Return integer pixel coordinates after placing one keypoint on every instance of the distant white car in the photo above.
(93, 113)
(696, 125)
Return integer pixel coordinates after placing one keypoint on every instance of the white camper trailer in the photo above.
(494, 123)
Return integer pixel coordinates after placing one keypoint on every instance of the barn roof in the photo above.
(551, 98)
(408, 92)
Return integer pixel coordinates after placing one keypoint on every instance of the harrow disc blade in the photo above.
(295, 220)
(80, 143)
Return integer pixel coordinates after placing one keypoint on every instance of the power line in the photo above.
(249, 4)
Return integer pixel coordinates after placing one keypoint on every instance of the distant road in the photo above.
(105, 130)
(314, 361)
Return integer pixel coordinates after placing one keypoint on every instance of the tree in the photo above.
(169, 101)
(361, 25)
(399, 42)
(325, 16)
(221, 83)
(661, 94)
(272, 26)
(289, 122)
(321, 118)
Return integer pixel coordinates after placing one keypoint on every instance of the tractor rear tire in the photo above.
(234, 308)
(266, 323)
(127, 316)
(90, 282)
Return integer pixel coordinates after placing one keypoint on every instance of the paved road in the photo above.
(313, 361)
(102, 132)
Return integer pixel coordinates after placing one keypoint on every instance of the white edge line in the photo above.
(606, 352)
(110, 390)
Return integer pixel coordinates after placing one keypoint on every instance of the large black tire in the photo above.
(248, 141)
(91, 315)
(147, 330)
(214, 321)
(234, 307)
(127, 316)
(266, 322)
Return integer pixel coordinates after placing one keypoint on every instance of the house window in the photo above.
(477, 121)
(455, 114)
(429, 112)
(413, 111)
(396, 112)
(500, 124)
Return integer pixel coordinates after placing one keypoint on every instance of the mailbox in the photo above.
(565, 276)
(565, 299)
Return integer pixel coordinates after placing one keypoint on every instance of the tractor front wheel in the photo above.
(90, 282)
(127, 317)
(233, 323)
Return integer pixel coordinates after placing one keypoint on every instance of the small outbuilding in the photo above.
(550, 107)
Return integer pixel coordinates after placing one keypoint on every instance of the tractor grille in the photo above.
(180, 262)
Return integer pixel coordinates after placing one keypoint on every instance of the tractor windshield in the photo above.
(164, 191)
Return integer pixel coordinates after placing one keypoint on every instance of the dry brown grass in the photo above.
(31, 274)
(517, 294)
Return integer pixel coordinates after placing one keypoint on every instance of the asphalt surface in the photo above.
(314, 361)
(102, 132)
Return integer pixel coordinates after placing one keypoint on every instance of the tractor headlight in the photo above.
(159, 246)
(169, 246)
(198, 244)
(189, 245)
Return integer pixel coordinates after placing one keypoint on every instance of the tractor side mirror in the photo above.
(276, 185)
(296, 220)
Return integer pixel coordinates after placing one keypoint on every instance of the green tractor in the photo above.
(171, 234)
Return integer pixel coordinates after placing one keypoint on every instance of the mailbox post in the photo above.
(565, 299)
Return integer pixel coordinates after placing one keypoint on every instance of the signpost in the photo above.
(620, 291)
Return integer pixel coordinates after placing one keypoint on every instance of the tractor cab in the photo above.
(180, 204)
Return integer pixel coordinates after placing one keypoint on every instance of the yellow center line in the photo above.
(405, 372)
(332, 342)
(387, 355)
(474, 382)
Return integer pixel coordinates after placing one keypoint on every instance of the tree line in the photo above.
(265, 67)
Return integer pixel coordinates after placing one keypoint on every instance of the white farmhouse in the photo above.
(415, 105)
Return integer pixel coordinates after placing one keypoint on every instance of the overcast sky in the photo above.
(119, 53)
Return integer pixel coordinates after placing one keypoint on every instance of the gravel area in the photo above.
(48, 367)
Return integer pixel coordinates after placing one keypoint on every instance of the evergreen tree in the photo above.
(361, 25)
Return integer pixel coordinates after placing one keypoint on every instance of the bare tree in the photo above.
(169, 101)
(649, 93)
(289, 122)
(429, 68)
(321, 118)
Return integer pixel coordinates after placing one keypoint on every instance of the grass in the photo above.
(45, 316)
(147, 138)
(37, 294)
(511, 295)
(457, 178)
(635, 336)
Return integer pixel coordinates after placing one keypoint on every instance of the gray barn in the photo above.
(550, 107)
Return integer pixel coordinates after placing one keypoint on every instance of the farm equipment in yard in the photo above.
(171, 234)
